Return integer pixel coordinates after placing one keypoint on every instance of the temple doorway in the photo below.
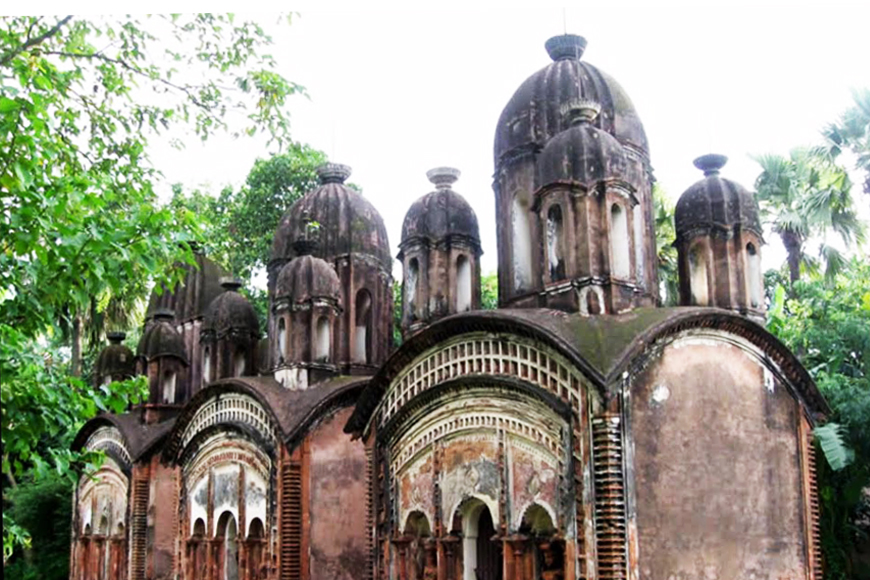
(481, 555)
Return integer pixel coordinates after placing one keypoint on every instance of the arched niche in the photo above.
(698, 276)
(206, 365)
(417, 524)
(282, 338)
(411, 281)
(619, 242)
(521, 242)
(753, 274)
(239, 363)
(555, 243)
(537, 520)
(168, 381)
(363, 327)
(322, 339)
(463, 283)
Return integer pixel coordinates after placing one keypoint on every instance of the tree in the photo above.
(80, 225)
(489, 291)
(238, 226)
(852, 132)
(663, 214)
(827, 325)
(807, 195)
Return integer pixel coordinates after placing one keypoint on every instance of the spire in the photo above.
(116, 337)
(230, 283)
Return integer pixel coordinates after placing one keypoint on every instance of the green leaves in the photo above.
(831, 440)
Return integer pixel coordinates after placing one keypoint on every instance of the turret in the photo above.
(719, 240)
(115, 362)
(440, 254)
(230, 332)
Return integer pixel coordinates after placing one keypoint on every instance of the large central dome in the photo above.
(534, 115)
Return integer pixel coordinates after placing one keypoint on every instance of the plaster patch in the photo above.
(660, 394)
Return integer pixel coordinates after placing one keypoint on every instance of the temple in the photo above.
(578, 431)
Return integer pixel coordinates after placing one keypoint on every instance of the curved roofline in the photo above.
(138, 448)
(94, 423)
(628, 336)
(479, 320)
(350, 390)
(173, 447)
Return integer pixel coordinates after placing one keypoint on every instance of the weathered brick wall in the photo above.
(717, 467)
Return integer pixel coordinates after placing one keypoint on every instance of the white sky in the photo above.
(397, 92)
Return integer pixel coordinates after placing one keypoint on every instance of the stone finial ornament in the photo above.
(443, 177)
(230, 283)
(333, 173)
(164, 314)
(711, 163)
(116, 337)
(581, 110)
(565, 46)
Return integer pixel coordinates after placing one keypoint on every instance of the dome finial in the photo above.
(166, 314)
(565, 46)
(116, 337)
(580, 111)
(711, 163)
(333, 173)
(443, 177)
(230, 283)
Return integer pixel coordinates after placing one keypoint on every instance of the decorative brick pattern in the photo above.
(610, 519)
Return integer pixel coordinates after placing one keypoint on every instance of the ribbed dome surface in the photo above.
(307, 277)
(115, 360)
(533, 115)
(161, 339)
(231, 311)
(347, 223)
(715, 201)
(190, 299)
(441, 213)
(581, 154)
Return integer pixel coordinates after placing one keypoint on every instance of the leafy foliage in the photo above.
(852, 132)
(663, 213)
(827, 324)
(808, 195)
(82, 236)
(489, 291)
(44, 508)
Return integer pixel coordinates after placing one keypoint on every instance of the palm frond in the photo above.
(837, 452)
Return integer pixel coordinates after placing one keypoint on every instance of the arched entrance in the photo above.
(229, 547)
(481, 555)
(544, 551)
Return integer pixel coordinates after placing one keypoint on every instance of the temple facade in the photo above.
(578, 431)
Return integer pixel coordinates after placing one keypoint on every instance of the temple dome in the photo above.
(441, 213)
(305, 278)
(231, 311)
(115, 360)
(348, 223)
(533, 115)
(715, 202)
(581, 153)
(161, 338)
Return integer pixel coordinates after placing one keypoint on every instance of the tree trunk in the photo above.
(792, 242)
(76, 362)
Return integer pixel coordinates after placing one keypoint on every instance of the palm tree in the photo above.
(807, 195)
(852, 132)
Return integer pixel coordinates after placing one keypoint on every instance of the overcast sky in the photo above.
(397, 92)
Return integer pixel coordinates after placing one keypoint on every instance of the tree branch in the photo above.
(34, 41)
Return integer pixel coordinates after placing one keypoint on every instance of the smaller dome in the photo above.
(307, 277)
(715, 202)
(161, 338)
(581, 153)
(231, 311)
(441, 213)
(116, 360)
